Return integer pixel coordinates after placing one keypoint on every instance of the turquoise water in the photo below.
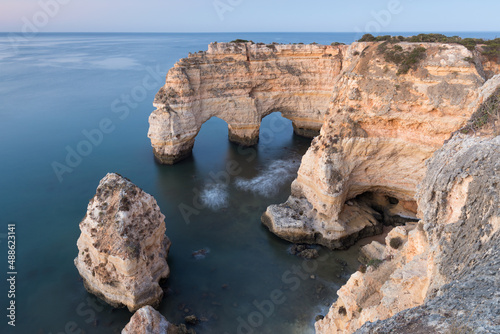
(56, 87)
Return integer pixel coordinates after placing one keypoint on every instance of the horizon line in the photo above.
(253, 32)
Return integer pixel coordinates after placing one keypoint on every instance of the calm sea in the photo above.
(55, 89)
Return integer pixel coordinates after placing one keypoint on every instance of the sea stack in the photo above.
(122, 249)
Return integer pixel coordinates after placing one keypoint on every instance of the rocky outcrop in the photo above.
(241, 84)
(362, 171)
(122, 248)
(443, 276)
(149, 321)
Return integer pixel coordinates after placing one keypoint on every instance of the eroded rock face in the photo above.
(397, 282)
(379, 131)
(122, 248)
(149, 321)
(447, 266)
(241, 84)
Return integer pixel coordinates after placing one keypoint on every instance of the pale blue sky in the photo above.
(249, 15)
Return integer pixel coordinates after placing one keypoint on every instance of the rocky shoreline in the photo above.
(392, 149)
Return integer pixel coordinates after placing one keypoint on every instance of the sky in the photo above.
(248, 15)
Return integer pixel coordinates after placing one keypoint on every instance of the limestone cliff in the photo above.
(241, 84)
(122, 248)
(380, 128)
(446, 267)
(373, 115)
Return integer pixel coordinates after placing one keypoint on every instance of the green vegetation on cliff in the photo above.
(404, 59)
(241, 41)
(488, 113)
(488, 48)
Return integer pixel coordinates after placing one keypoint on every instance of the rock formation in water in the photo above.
(241, 84)
(384, 110)
(378, 122)
(122, 249)
(441, 275)
(149, 321)
(362, 171)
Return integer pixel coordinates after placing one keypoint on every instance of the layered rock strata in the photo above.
(444, 275)
(122, 249)
(379, 130)
(241, 84)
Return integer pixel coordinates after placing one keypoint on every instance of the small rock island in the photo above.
(123, 248)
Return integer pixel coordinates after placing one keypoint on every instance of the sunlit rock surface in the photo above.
(149, 321)
(122, 249)
(444, 277)
(380, 129)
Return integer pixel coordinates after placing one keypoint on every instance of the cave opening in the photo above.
(391, 210)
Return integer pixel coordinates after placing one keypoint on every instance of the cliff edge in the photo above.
(362, 171)
(443, 278)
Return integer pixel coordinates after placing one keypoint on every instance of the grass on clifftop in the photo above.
(241, 41)
(489, 48)
(405, 60)
(488, 113)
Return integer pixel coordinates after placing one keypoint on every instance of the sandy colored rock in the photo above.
(378, 133)
(241, 83)
(373, 251)
(149, 321)
(122, 249)
(444, 277)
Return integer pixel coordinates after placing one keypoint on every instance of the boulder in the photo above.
(122, 249)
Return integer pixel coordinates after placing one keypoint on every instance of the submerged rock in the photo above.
(122, 249)
(304, 251)
(191, 319)
(149, 321)
(200, 254)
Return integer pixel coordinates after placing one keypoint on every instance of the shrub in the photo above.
(395, 242)
(337, 43)
(367, 38)
(362, 268)
(489, 48)
(239, 41)
(356, 53)
(342, 310)
(405, 60)
(374, 263)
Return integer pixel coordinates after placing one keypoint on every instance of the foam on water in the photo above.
(268, 182)
(215, 196)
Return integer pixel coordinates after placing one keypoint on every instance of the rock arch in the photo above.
(241, 84)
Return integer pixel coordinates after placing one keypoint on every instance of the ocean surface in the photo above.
(55, 90)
